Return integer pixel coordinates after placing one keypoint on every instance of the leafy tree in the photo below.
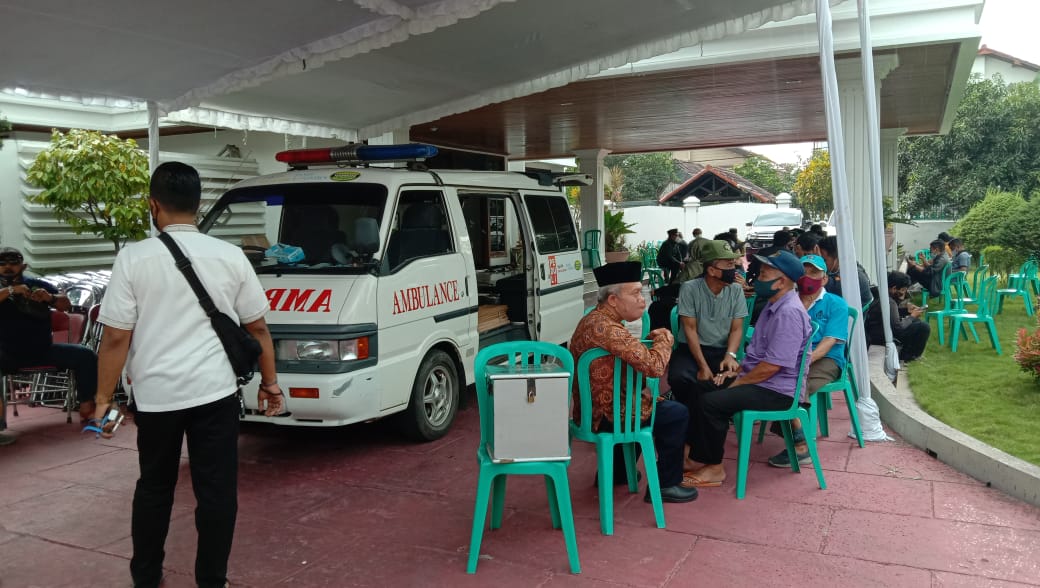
(645, 174)
(614, 190)
(984, 224)
(994, 143)
(1022, 231)
(94, 182)
(813, 185)
(763, 172)
(5, 127)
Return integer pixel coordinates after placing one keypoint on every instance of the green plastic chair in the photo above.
(748, 329)
(492, 480)
(744, 422)
(923, 256)
(1018, 285)
(953, 304)
(925, 294)
(987, 298)
(628, 431)
(846, 383)
(644, 322)
(977, 276)
(591, 247)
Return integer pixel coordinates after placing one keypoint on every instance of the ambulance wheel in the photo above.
(435, 398)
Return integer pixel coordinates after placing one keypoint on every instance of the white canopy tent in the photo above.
(350, 70)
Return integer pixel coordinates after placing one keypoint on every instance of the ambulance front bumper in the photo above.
(321, 400)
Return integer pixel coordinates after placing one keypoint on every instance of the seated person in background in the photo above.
(621, 299)
(711, 320)
(829, 252)
(781, 239)
(961, 258)
(817, 230)
(931, 276)
(668, 256)
(945, 238)
(769, 375)
(831, 313)
(908, 329)
(738, 245)
(694, 264)
(25, 329)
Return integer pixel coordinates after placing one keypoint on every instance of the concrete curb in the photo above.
(967, 454)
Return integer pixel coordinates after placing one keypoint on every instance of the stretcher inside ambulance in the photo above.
(384, 282)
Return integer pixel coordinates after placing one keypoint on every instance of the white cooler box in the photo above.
(531, 410)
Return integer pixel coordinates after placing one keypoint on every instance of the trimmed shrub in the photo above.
(984, 224)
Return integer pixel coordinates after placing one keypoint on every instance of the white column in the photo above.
(590, 161)
(857, 160)
(153, 148)
(691, 207)
(890, 179)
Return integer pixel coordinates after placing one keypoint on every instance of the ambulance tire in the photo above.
(435, 398)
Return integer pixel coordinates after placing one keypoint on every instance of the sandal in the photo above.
(691, 480)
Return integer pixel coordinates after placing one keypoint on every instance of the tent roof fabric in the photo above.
(361, 68)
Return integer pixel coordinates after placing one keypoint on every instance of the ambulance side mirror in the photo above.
(366, 236)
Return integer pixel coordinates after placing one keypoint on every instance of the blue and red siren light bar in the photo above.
(358, 154)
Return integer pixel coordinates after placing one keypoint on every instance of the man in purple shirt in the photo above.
(769, 373)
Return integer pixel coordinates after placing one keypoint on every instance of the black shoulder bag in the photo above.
(241, 347)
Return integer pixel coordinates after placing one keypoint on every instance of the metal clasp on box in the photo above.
(532, 390)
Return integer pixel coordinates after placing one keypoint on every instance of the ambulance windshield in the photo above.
(302, 228)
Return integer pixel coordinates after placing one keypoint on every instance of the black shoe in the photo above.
(675, 493)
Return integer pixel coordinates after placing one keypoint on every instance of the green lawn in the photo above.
(979, 392)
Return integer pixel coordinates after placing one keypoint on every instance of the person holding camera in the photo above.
(184, 385)
(25, 330)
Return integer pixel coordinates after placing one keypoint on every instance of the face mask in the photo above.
(765, 288)
(809, 286)
(728, 275)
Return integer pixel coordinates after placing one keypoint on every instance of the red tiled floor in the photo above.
(359, 506)
(948, 580)
(721, 563)
(988, 551)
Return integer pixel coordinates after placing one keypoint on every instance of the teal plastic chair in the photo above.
(748, 329)
(1018, 285)
(984, 315)
(846, 383)
(925, 294)
(953, 304)
(591, 248)
(492, 480)
(644, 322)
(977, 276)
(628, 431)
(744, 422)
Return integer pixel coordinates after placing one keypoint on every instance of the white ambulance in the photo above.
(405, 274)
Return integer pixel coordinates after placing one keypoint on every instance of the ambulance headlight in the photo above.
(322, 349)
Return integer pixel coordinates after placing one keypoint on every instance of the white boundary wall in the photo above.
(652, 222)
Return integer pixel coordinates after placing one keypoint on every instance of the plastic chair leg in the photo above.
(479, 517)
(821, 415)
(761, 432)
(854, 415)
(498, 499)
(992, 328)
(792, 453)
(562, 497)
(629, 450)
(810, 441)
(554, 505)
(743, 454)
(653, 484)
(605, 457)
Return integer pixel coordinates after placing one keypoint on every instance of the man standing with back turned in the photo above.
(183, 381)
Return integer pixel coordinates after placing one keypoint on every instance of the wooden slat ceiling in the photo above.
(778, 101)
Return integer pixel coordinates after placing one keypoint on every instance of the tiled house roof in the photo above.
(700, 175)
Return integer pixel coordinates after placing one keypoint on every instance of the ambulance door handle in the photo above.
(542, 266)
(466, 282)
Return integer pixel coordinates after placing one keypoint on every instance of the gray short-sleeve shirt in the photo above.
(714, 314)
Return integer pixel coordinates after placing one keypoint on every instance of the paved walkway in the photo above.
(359, 507)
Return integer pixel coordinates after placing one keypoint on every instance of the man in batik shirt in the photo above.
(621, 299)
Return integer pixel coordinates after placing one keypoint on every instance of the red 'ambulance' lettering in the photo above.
(297, 300)
(426, 296)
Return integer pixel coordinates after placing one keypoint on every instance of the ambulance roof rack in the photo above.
(551, 178)
(356, 153)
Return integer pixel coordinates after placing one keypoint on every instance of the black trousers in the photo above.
(81, 360)
(212, 432)
(669, 435)
(913, 339)
(719, 406)
(682, 378)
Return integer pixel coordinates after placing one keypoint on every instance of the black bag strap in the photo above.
(184, 265)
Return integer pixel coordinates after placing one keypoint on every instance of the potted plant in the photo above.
(891, 217)
(614, 230)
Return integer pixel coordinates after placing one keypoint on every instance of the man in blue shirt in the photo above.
(961, 258)
(25, 330)
(831, 313)
(769, 375)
